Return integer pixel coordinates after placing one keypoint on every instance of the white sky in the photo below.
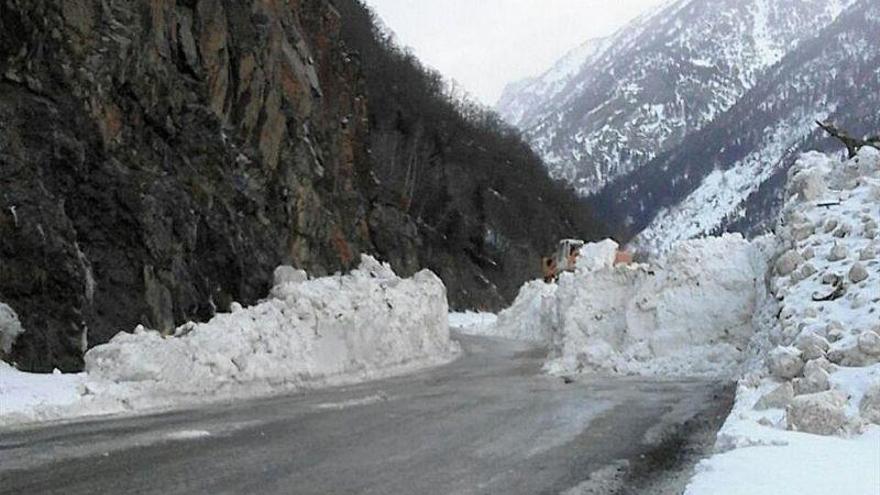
(484, 44)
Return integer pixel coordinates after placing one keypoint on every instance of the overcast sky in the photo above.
(484, 44)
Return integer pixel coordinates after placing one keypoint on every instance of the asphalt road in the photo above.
(490, 422)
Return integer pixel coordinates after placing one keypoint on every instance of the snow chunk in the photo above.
(785, 362)
(597, 255)
(10, 328)
(821, 413)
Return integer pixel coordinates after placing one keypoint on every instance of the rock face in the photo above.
(163, 157)
(160, 158)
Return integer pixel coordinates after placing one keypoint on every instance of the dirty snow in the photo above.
(806, 412)
(309, 333)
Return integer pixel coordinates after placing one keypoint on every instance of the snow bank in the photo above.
(816, 366)
(525, 318)
(691, 315)
(531, 317)
(35, 396)
(339, 329)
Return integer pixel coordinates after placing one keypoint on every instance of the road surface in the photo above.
(490, 422)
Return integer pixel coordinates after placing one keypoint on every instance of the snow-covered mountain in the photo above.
(664, 76)
(521, 101)
(728, 175)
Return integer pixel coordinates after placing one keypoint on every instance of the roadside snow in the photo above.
(807, 411)
(804, 465)
(37, 396)
(309, 333)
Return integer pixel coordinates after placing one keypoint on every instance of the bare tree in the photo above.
(853, 145)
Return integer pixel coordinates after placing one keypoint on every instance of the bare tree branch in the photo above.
(853, 145)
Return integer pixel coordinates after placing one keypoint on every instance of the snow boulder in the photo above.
(812, 346)
(807, 177)
(10, 328)
(821, 413)
(345, 328)
(597, 255)
(858, 273)
(869, 407)
(788, 262)
(785, 362)
(779, 398)
(869, 343)
(284, 275)
(816, 380)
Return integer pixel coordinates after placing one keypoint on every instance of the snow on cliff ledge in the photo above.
(332, 330)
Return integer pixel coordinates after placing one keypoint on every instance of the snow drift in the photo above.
(339, 329)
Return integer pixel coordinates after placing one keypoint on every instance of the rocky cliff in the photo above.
(158, 159)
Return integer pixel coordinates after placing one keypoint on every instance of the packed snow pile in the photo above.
(532, 315)
(521, 321)
(818, 371)
(339, 329)
(690, 314)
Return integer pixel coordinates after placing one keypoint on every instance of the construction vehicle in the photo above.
(565, 259)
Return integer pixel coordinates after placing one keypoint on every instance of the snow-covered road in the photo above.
(490, 422)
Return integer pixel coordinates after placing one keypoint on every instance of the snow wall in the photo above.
(688, 314)
(356, 326)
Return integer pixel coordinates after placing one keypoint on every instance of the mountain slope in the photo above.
(520, 103)
(728, 175)
(158, 159)
(661, 78)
